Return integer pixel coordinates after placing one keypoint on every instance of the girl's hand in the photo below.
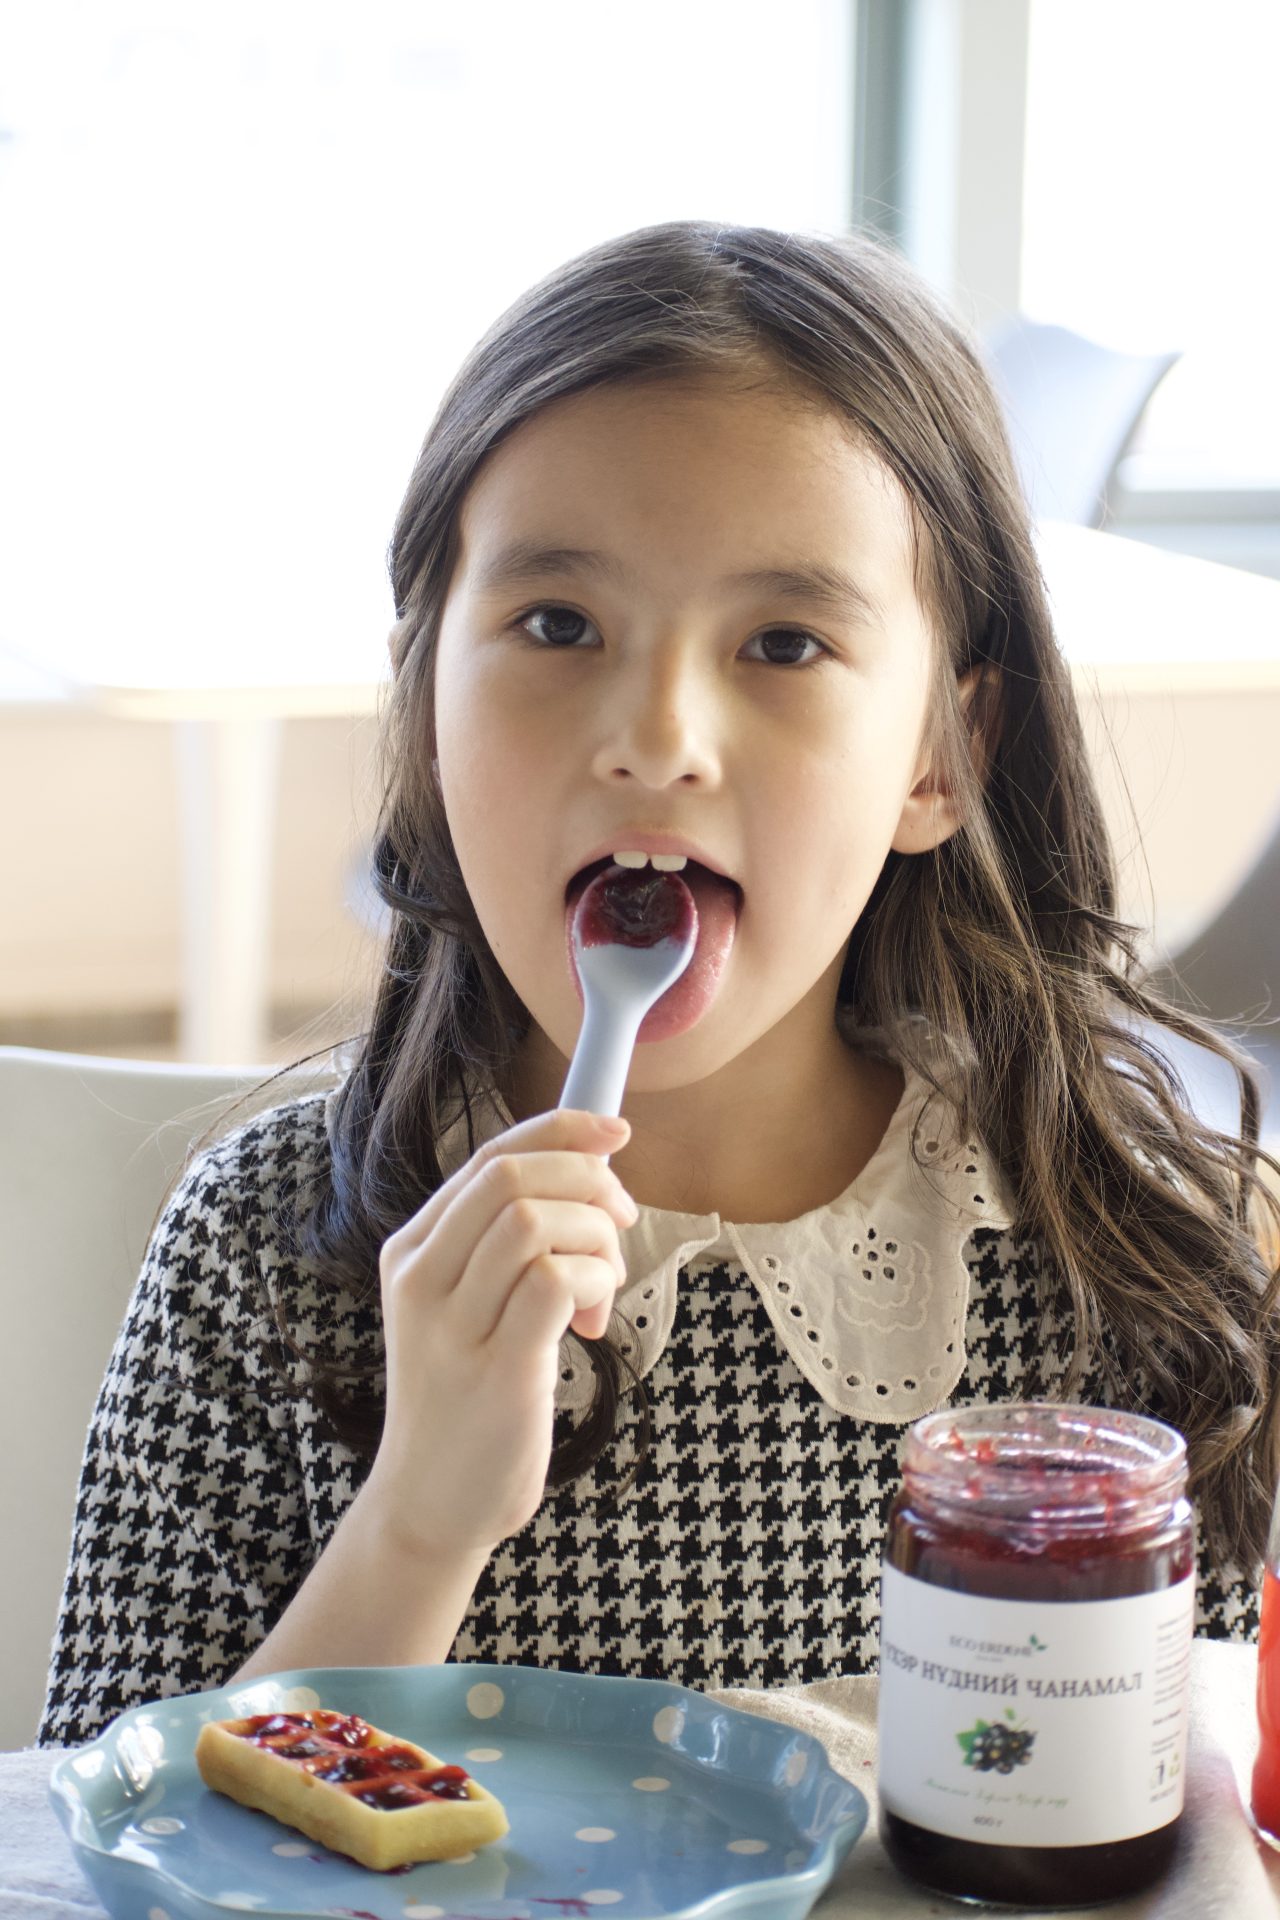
(478, 1289)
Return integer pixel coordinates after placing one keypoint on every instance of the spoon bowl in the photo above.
(629, 946)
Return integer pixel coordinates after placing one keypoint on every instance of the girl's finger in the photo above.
(434, 1267)
(524, 1233)
(564, 1134)
(550, 1293)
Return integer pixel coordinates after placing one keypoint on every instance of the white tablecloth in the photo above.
(1222, 1872)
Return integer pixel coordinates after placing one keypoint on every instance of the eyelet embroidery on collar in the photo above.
(868, 1294)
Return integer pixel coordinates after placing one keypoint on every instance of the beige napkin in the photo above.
(1221, 1868)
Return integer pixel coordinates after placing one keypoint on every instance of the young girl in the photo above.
(714, 549)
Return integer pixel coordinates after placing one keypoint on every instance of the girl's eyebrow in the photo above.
(812, 581)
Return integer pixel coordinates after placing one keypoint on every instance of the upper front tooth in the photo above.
(664, 862)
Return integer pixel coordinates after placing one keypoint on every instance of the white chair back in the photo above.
(88, 1148)
(1072, 406)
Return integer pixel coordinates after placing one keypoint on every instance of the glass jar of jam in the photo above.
(1037, 1605)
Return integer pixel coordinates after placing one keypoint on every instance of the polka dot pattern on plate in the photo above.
(156, 1913)
(418, 1912)
(484, 1753)
(651, 1783)
(595, 1833)
(161, 1824)
(484, 1700)
(668, 1724)
(140, 1749)
(293, 1849)
(748, 1846)
(601, 1897)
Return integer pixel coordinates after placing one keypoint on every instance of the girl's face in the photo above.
(638, 679)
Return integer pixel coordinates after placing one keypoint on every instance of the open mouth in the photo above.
(695, 876)
(719, 902)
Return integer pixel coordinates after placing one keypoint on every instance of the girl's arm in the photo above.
(196, 1526)
(478, 1288)
(373, 1599)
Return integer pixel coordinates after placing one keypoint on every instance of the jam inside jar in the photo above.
(1037, 1609)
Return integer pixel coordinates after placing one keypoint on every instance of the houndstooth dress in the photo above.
(782, 1365)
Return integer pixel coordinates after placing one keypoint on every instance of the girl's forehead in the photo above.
(722, 413)
(692, 457)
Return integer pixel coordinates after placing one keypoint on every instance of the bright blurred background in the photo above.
(246, 246)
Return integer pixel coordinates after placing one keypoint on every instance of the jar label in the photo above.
(1033, 1723)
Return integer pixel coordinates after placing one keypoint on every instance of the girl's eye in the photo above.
(563, 628)
(791, 639)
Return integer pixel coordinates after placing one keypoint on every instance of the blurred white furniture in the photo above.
(88, 1148)
(1138, 620)
(1133, 619)
(226, 709)
(1072, 406)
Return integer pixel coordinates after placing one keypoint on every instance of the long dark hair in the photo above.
(1005, 937)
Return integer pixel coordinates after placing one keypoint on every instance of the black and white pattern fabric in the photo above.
(747, 1553)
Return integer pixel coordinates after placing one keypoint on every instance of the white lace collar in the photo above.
(868, 1294)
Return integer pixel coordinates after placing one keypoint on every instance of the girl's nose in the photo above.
(659, 726)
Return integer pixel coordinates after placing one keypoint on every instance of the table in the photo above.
(1129, 617)
(1133, 618)
(1222, 1872)
(227, 746)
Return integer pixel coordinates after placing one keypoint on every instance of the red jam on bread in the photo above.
(382, 1801)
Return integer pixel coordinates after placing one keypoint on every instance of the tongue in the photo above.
(687, 1000)
(623, 907)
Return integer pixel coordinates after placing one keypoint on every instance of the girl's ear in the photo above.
(932, 811)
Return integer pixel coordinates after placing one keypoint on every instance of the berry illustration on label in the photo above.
(996, 1748)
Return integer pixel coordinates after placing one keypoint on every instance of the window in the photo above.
(1151, 178)
(247, 244)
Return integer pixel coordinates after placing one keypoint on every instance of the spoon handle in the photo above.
(597, 1075)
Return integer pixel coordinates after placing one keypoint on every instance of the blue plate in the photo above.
(627, 1798)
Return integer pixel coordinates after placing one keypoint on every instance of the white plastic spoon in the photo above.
(633, 936)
